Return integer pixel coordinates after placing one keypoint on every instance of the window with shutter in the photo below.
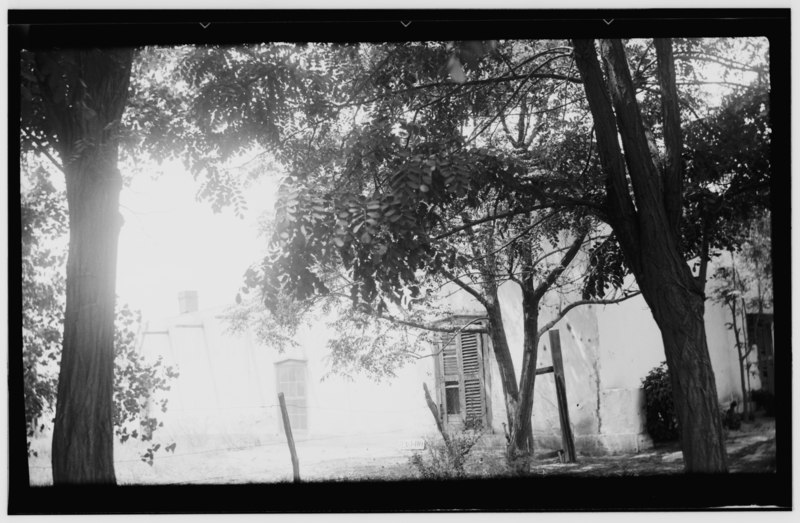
(460, 379)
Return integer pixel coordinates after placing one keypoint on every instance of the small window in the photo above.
(452, 400)
(292, 382)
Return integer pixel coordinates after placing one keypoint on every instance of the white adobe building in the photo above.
(226, 395)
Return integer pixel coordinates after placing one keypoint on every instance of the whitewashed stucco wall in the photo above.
(226, 393)
(227, 388)
(631, 345)
(607, 350)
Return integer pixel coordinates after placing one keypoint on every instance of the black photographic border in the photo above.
(74, 28)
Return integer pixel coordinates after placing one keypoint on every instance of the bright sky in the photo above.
(171, 242)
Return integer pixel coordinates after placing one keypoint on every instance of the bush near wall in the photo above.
(661, 422)
(764, 400)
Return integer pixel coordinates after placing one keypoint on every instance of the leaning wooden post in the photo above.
(436, 416)
(567, 440)
(287, 428)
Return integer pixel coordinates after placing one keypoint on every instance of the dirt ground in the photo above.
(750, 449)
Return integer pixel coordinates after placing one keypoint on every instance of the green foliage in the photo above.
(371, 138)
(374, 141)
(744, 285)
(381, 240)
(447, 461)
(274, 330)
(137, 386)
(407, 171)
(731, 419)
(606, 269)
(661, 422)
(754, 263)
(364, 342)
(375, 348)
(43, 218)
(727, 183)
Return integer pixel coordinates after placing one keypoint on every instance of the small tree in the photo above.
(447, 460)
(731, 294)
(746, 285)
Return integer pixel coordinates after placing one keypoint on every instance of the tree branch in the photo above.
(727, 62)
(562, 249)
(43, 150)
(704, 248)
(542, 288)
(563, 312)
(673, 171)
(622, 213)
(641, 168)
(485, 219)
(455, 333)
(485, 81)
(524, 79)
(411, 323)
(475, 294)
(525, 231)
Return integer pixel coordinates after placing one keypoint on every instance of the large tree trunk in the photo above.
(677, 304)
(83, 436)
(85, 93)
(646, 232)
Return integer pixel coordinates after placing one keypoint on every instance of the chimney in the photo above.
(187, 301)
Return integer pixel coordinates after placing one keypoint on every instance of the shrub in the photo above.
(765, 400)
(661, 422)
(731, 419)
(447, 459)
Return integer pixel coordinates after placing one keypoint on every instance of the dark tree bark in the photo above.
(678, 308)
(519, 448)
(673, 168)
(505, 364)
(651, 248)
(85, 92)
(521, 444)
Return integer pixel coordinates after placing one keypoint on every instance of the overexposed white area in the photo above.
(172, 242)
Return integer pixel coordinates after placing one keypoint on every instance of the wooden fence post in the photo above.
(567, 440)
(287, 428)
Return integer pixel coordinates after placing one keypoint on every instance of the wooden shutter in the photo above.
(462, 395)
(471, 364)
(451, 397)
(450, 360)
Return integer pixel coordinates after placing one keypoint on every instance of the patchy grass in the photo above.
(751, 449)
